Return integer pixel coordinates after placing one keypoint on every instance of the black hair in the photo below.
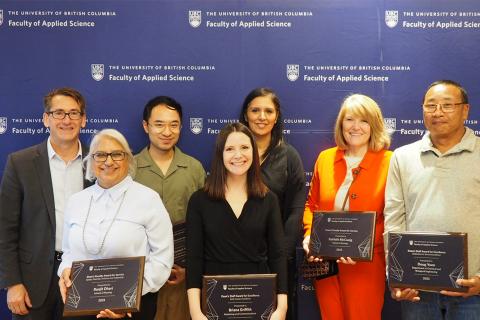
(277, 130)
(161, 100)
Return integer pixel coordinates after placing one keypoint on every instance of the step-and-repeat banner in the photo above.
(209, 54)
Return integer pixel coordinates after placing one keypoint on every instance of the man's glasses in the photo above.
(444, 107)
(161, 126)
(60, 114)
(103, 156)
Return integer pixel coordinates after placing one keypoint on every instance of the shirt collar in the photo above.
(52, 153)
(179, 158)
(366, 162)
(144, 159)
(466, 144)
(114, 192)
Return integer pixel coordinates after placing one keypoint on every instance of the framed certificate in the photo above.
(180, 243)
(114, 284)
(427, 261)
(249, 296)
(343, 234)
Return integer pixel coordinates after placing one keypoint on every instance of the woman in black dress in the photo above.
(234, 224)
(282, 171)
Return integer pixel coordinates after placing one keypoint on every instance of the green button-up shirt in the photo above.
(184, 176)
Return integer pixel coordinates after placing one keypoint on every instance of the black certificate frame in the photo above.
(228, 297)
(330, 230)
(91, 277)
(424, 263)
(180, 243)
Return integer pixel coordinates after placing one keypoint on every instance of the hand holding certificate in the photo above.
(343, 235)
(427, 261)
(472, 286)
(97, 285)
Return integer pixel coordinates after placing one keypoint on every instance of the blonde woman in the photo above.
(352, 177)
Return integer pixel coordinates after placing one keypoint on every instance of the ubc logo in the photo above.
(3, 125)
(391, 18)
(195, 18)
(390, 124)
(1, 17)
(196, 125)
(293, 71)
(97, 71)
(225, 287)
(410, 242)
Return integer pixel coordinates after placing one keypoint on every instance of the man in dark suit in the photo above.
(36, 183)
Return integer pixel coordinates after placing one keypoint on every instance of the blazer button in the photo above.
(354, 196)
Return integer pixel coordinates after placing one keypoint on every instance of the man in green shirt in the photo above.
(163, 167)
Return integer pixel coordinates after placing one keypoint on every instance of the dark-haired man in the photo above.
(163, 167)
(36, 183)
(433, 185)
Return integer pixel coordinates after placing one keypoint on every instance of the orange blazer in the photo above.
(367, 192)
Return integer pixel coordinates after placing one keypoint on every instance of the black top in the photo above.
(283, 173)
(220, 244)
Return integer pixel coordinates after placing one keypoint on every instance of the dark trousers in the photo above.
(148, 308)
(292, 289)
(52, 308)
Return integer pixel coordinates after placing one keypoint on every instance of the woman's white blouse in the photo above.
(141, 228)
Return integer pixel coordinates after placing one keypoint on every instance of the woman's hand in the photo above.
(282, 304)
(65, 282)
(348, 260)
(279, 315)
(198, 316)
(194, 304)
(107, 313)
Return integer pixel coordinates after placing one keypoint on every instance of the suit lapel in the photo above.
(86, 183)
(42, 167)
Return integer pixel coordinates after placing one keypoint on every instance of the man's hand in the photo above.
(18, 300)
(473, 285)
(177, 275)
(405, 294)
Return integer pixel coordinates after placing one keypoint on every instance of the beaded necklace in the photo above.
(106, 232)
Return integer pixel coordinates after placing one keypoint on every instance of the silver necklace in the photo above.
(106, 232)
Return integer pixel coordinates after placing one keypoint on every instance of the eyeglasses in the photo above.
(60, 114)
(444, 107)
(103, 156)
(161, 126)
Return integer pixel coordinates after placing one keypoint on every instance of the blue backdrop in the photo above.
(210, 54)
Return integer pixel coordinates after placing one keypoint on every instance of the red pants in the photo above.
(356, 293)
